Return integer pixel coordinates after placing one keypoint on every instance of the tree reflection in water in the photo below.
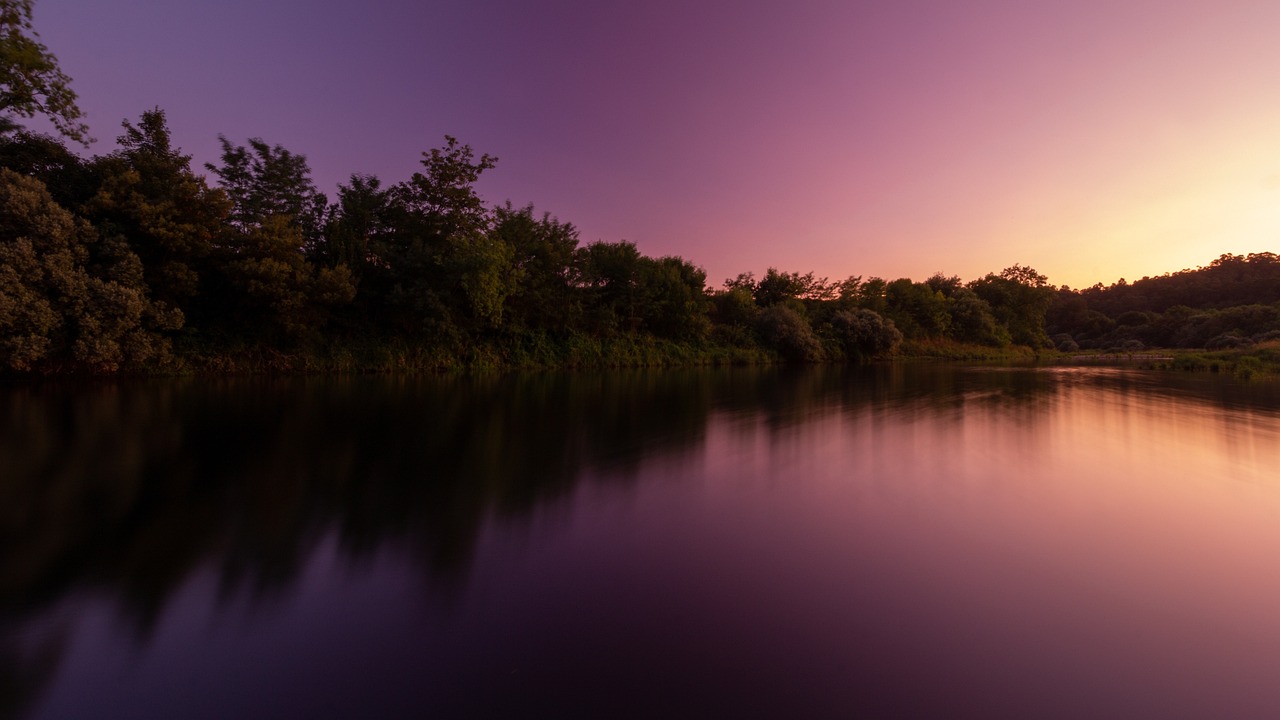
(126, 489)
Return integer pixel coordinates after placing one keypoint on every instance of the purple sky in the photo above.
(1092, 140)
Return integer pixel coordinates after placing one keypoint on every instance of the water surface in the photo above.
(877, 542)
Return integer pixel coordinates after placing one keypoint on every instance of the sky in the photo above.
(1092, 140)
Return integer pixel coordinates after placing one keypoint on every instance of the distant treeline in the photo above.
(1232, 302)
(133, 262)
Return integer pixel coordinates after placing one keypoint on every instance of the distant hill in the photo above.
(1230, 302)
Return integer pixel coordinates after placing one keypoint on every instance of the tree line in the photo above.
(136, 261)
(133, 259)
(1234, 301)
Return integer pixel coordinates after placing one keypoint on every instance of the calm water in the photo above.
(879, 542)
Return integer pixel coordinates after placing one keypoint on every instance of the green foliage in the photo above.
(358, 219)
(542, 263)
(70, 180)
(786, 331)
(31, 83)
(434, 269)
(871, 295)
(59, 309)
(170, 218)
(1135, 318)
(278, 294)
(265, 181)
(1062, 342)
(107, 261)
(672, 298)
(917, 309)
(733, 316)
(1234, 295)
(945, 286)
(1228, 281)
(972, 320)
(442, 200)
(1019, 298)
(607, 274)
(1227, 340)
(734, 306)
(482, 265)
(778, 287)
(864, 334)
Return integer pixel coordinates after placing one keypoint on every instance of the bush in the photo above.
(1227, 341)
(787, 332)
(865, 334)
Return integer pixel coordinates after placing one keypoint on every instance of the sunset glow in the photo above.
(1091, 140)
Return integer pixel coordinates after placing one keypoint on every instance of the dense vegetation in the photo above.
(1232, 302)
(133, 261)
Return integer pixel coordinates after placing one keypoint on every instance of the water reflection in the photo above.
(769, 501)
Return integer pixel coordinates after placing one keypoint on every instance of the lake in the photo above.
(888, 541)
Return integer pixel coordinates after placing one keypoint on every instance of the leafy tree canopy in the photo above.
(31, 83)
(442, 199)
(264, 181)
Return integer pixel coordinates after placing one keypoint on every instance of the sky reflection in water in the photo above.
(827, 542)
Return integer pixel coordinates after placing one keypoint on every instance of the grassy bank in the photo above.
(526, 353)
(540, 352)
(1260, 360)
(952, 350)
(1255, 361)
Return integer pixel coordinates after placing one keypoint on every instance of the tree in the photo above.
(776, 287)
(972, 321)
(60, 306)
(434, 268)
(673, 299)
(1019, 298)
(871, 294)
(846, 291)
(607, 274)
(443, 199)
(70, 180)
(169, 216)
(865, 334)
(480, 266)
(275, 293)
(917, 309)
(542, 259)
(946, 286)
(745, 281)
(265, 181)
(31, 83)
(789, 333)
(358, 220)
(734, 312)
(278, 220)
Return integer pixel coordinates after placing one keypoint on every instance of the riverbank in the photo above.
(528, 353)
(1261, 359)
(581, 352)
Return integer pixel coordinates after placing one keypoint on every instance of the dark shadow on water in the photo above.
(126, 489)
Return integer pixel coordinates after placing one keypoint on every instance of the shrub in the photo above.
(786, 331)
(865, 334)
(1227, 341)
